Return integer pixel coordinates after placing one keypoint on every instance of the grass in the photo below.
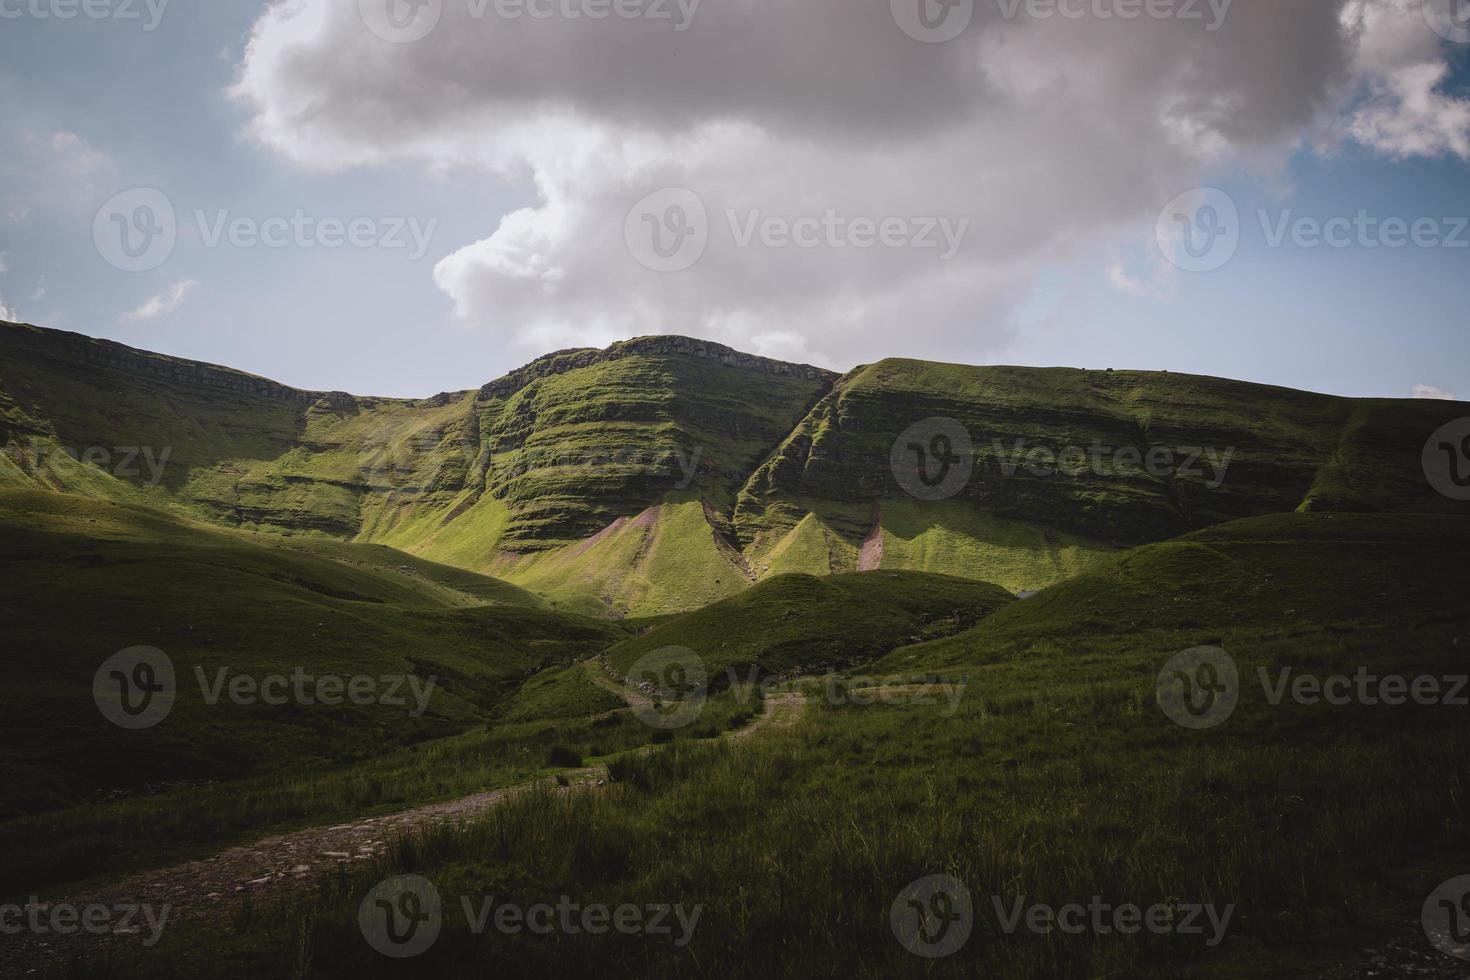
(1050, 775)
(1289, 450)
(786, 471)
(87, 579)
(800, 623)
(109, 837)
(1056, 779)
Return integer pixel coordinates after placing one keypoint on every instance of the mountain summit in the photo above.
(664, 472)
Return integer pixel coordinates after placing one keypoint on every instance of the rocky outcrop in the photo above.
(73, 348)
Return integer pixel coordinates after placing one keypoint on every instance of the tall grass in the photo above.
(796, 852)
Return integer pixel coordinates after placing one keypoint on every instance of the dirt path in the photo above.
(597, 673)
(781, 712)
(278, 866)
(1405, 959)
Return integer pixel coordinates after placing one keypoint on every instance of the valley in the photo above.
(667, 623)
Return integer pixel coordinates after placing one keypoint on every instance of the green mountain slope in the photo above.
(1051, 778)
(664, 473)
(1325, 580)
(831, 483)
(86, 579)
(804, 624)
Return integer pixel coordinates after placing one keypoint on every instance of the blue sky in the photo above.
(98, 106)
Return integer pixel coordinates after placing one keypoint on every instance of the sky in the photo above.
(401, 197)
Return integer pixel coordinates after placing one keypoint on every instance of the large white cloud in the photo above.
(1051, 136)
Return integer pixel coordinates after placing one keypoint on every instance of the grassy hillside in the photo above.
(803, 624)
(664, 473)
(832, 481)
(539, 462)
(86, 579)
(1319, 577)
(1055, 779)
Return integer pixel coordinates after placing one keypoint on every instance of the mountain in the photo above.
(665, 473)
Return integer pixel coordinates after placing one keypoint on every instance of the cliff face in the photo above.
(1120, 457)
(734, 466)
(70, 351)
(563, 446)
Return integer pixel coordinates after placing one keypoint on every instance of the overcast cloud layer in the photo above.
(1046, 140)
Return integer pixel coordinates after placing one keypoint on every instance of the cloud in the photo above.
(1401, 66)
(3, 267)
(8, 312)
(163, 304)
(1058, 139)
(55, 171)
(1430, 391)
